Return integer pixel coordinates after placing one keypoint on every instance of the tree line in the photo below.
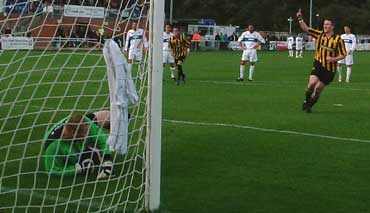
(272, 15)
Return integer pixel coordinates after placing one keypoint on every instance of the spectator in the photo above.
(73, 38)
(233, 37)
(222, 41)
(196, 38)
(225, 42)
(208, 39)
(101, 34)
(217, 41)
(59, 35)
(93, 35)
(189, 35)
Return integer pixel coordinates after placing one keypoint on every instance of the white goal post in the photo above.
(155, 102)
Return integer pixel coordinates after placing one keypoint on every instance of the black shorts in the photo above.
(180, 59)
(324, 75)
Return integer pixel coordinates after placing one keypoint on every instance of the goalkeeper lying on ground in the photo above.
(76, 145)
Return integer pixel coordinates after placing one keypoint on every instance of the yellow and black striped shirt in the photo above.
(179, 46)
(325, 47)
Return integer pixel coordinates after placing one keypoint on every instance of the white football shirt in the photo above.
(349, 41)
(135, 40)
(299, 43)
(166, 38)
(249, 40)
(290, 41)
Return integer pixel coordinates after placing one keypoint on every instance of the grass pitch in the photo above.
(227, 146)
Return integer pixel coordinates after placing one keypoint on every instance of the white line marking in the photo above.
(267, 130)
(338, 105)
(284, 84)
(27, 192)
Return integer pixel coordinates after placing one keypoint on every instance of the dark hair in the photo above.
(331, 20)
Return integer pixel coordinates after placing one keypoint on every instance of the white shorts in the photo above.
(250, 55)
(348, 60)
(299, 48)
(167, 57)
(135, 55)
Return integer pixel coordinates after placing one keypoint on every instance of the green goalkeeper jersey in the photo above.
(61, 155)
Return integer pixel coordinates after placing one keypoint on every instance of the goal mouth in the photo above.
(51, 66)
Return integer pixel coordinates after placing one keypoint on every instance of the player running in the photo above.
(249, 41)
(290, 42)
(135, 42)
(167, 55)
(299, 46)
(350, 43)
(330, 49)
(76, 145)
(179, 46)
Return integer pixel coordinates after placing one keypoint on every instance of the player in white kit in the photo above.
(299, 46)
(135, 43)
(249, 41)
(167, 54)
(350, 43)
(290, 42)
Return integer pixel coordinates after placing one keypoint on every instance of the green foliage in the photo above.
(272, 14)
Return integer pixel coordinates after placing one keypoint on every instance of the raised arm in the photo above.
(303, 25)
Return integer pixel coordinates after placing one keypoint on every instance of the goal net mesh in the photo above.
(51, 65)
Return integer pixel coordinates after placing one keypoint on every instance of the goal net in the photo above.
(51, 66)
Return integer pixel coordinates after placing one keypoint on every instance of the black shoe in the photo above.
(306, 107)
(250, 79)
(240, 79)
(308, 110)
(174, 79)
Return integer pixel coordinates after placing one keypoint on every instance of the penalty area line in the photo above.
(267, 130)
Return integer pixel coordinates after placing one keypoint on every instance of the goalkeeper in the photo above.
(76, 145)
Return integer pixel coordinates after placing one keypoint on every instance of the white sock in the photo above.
(349, 70)
(251, 71)
(172, 70)
(140, 71)
(130, 67)
(242, 71)
(339, 68)
(300, 53)
(296, 54)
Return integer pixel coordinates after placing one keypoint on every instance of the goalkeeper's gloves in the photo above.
(85, 166)
(106, 170)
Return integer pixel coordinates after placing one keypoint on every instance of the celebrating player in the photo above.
(249, 41)
(329, 50)
(179, 46)
(290, 42)
(299, 46)
(350, 43)
(76, 145)
(135, 42)
(167, 55)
